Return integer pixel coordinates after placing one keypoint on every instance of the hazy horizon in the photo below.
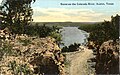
(52, 11)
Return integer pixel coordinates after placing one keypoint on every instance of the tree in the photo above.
(16, 14)
(107, 30)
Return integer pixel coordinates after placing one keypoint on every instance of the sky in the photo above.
(0, 1)
(53, 11)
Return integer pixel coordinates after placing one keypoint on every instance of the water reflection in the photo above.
(71, 35)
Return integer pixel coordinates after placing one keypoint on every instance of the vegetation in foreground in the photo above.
(107, 58)
(29, 55)
(25, 49)
(17, 15)
(105, 42)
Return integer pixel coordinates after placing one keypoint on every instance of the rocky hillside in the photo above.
(107, 58)
(21, 54)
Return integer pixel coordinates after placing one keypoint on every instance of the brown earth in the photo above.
(38, 55)
(76, 62)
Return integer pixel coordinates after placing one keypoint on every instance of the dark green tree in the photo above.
(16, 14)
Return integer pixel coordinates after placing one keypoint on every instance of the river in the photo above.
(71, 35)
(78, 64)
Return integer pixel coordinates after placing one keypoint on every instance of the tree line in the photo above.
(103, 31)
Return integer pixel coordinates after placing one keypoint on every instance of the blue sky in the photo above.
(52, 11)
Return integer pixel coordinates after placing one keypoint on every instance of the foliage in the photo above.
(43, 31)
(107, 58)
(104, 31)
(65, 24)
(5, 49)
(15, 14)
(88, 28)
(19, 68)
(57, 36)
(71, 48)
(25, 41)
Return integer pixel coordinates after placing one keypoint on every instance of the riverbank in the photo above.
(77, 62)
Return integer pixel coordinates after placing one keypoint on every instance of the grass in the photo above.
(25, 42)
(5, 49)
(19, 68)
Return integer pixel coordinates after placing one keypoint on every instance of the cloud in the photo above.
(0, 1)
(39, 13)
(63, 14)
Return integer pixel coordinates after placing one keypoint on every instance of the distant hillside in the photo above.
(64, 23)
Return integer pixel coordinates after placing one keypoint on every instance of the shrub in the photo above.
(5, 49)
(25, 41)
(71, 48)
(19, 68)
(57, 36)
(44, 31)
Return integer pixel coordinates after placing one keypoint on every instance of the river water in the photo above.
(71, 35)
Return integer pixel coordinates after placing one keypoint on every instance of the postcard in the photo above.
(59, 37)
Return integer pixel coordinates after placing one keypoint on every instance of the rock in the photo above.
(108, 58)
(42, 55)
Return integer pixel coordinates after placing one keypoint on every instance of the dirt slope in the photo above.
(25, 55)
(77, 62)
